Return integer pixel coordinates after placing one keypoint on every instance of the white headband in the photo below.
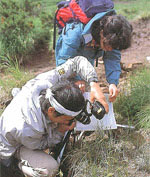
(58, 107)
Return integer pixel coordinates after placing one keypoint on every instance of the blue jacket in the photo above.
(73, 42)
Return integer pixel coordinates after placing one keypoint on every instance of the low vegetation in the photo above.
(121, 152)
(25, 27)
(11, 76)
(117, 153)
(133, 9)
(134, 100)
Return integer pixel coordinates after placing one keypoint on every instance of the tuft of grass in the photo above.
(134, 96)
(104, 155)
(11, 77)
(143, 117)
(98, 157)
(25, 27)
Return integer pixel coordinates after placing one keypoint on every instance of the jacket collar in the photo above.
(87, 29)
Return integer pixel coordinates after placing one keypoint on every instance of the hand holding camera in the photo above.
(96, 108)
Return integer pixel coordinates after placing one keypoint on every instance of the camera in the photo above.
(96, 108)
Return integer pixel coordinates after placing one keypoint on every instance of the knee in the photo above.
(52, 169)
(49, 170)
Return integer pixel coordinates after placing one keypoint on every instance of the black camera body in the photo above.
(96, 108)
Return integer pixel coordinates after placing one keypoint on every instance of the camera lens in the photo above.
(83, 118)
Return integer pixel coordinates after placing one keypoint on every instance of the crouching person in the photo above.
(38, 125)
(40, 114)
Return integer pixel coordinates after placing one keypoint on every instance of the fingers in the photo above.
(112, 99)
(71, 127)
(105, 104)
(97, 94)
(81, 85)
(113, 92)
(112, 95)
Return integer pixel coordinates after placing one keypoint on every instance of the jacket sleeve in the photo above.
(75, 66)
(112, 66)
(37, 141)
(68, 42)
(34, 140)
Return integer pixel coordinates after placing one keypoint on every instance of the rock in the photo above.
(131, 66)
(148, 58)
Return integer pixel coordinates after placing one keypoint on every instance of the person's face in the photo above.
(104, 44)
(58, 118)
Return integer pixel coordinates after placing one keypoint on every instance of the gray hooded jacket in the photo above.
(23, 123)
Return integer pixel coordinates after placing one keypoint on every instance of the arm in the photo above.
(75, 66)
(82, 67)
(113, 71)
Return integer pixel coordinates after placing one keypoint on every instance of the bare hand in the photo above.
(113, 92)
(81, 85)
(96, 93)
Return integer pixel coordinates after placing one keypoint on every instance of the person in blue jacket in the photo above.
(106, 34)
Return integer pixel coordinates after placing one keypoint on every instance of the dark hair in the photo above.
(44, 102)
(116, 29)
(67, 94)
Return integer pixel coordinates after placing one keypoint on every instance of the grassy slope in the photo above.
(133, 9)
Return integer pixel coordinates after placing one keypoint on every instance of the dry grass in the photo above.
(117, 154)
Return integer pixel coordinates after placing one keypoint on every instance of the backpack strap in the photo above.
(59, 5)
(75, 19)
(54, 33)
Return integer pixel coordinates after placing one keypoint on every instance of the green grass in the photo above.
(133, 9)
(103, 156)
(25, 27)
(134, 97)
(143, 117)
(49, 5)
(11, 77)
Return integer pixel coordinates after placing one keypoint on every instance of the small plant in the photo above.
(98, 156)
(135, 95)
(143, 117)
(104, 155)
(24, 27)
(10, 78)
